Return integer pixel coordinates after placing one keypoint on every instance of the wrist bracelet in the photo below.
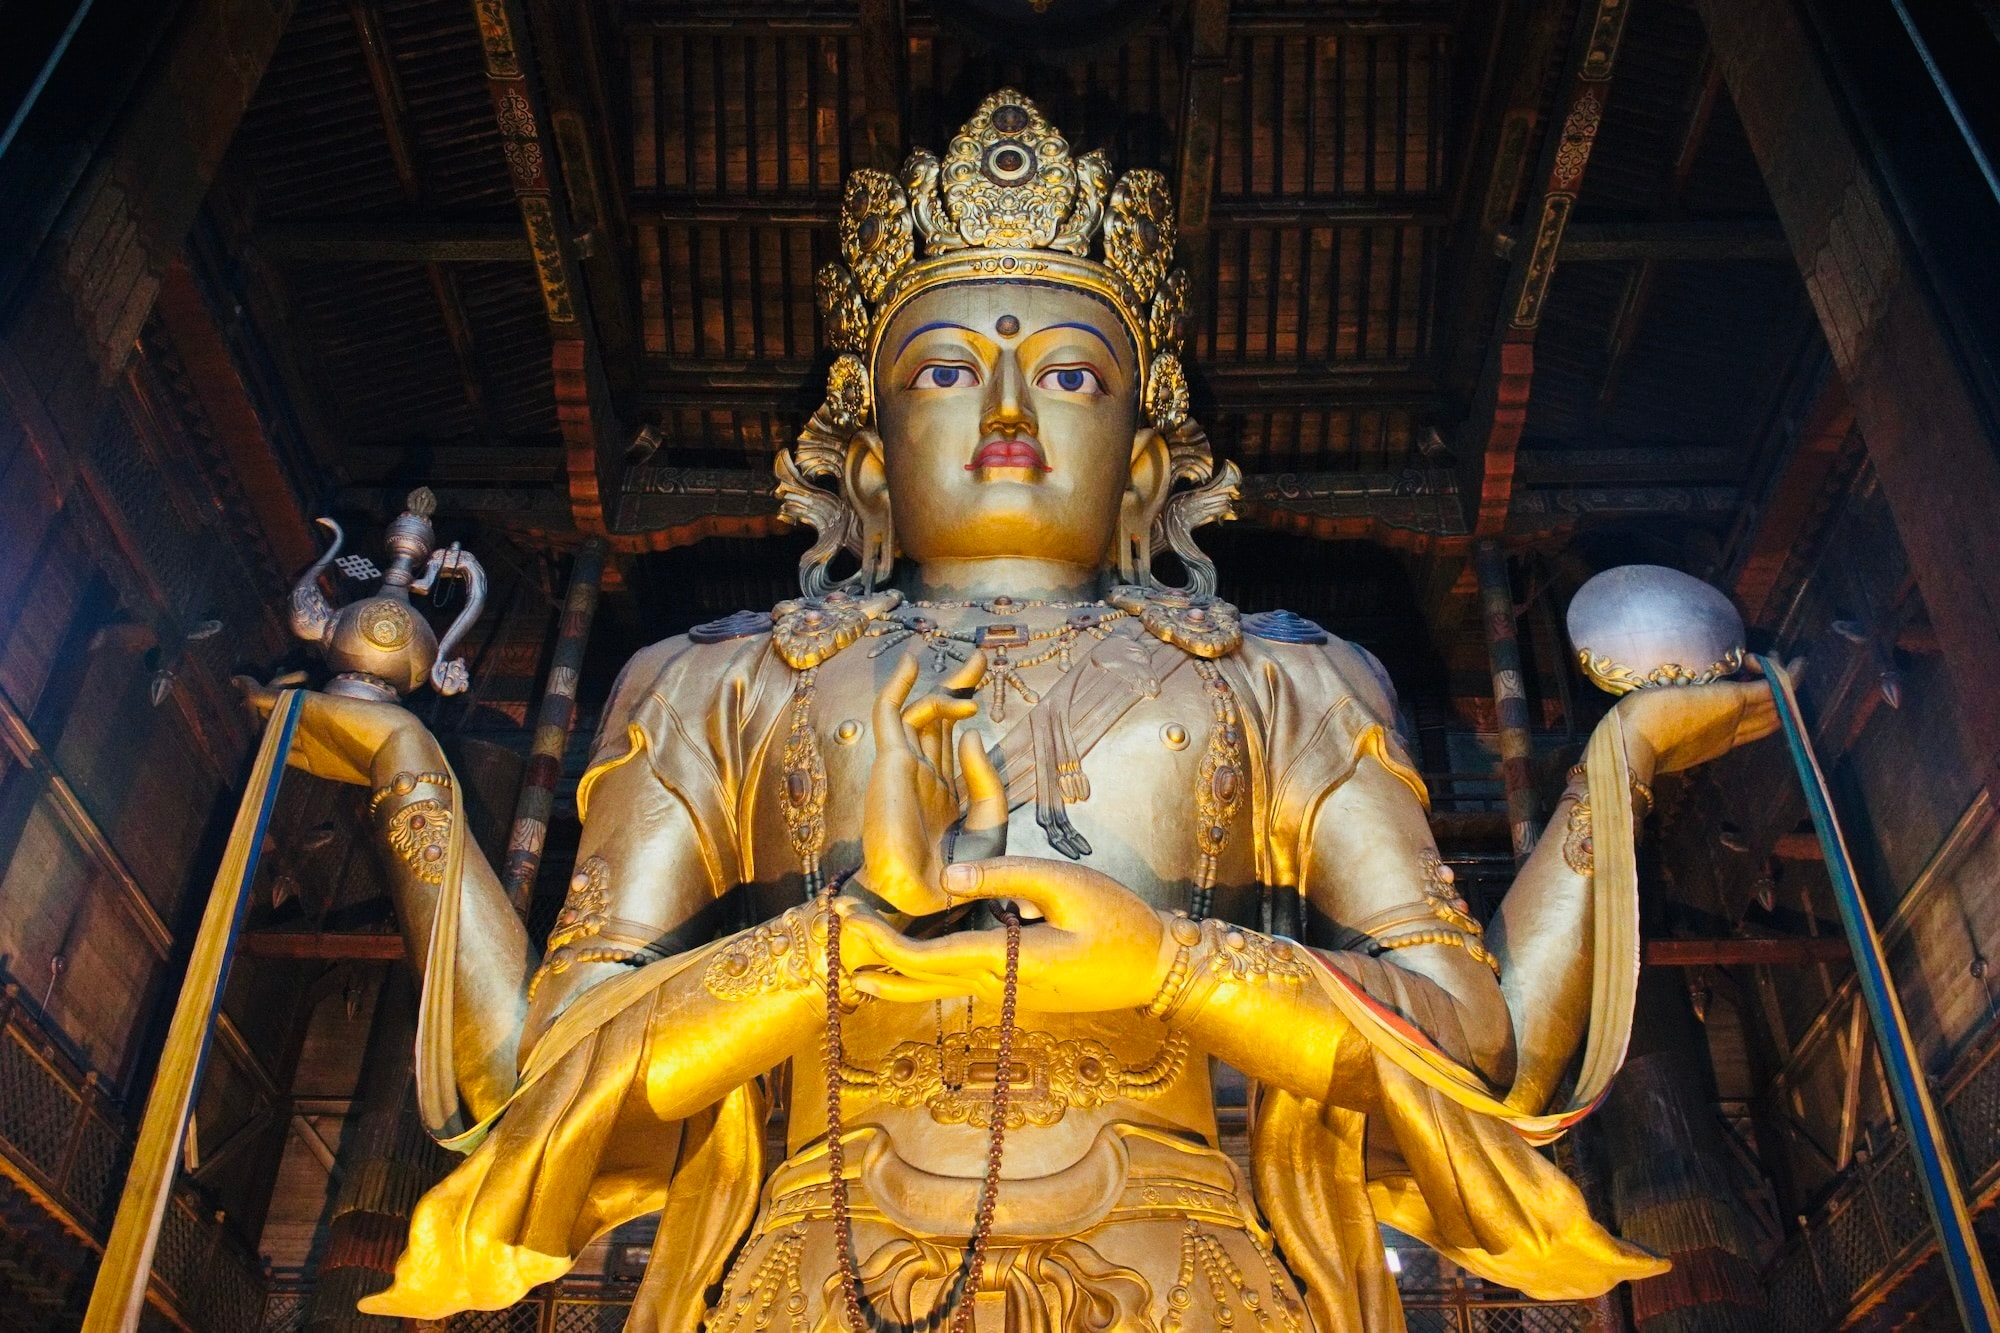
(1642, 793)
(1186, 933)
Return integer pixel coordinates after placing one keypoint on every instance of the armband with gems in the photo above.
(419, 833)
(1213, 954)
(586, 932)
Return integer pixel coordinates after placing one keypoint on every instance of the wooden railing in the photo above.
(64, 1143)
(1873, 1231)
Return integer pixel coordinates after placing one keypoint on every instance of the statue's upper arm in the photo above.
(1368, 848)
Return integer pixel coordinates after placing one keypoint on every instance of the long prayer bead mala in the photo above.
(956, 1304)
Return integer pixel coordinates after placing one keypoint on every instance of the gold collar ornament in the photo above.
(808, 630)
(1206, 627)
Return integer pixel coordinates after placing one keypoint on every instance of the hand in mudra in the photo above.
(1674, 727)
(1098, 946)
(913, 801)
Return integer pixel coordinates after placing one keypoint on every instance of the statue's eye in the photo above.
(946, 376)
(1071, 379)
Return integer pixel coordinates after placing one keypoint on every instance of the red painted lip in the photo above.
(1008, 453)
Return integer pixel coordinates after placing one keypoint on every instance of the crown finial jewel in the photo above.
(422, 502)
(1008, 179)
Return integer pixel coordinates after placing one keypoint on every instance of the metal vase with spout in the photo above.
(380, 647)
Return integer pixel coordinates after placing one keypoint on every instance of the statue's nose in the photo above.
(1007, 411)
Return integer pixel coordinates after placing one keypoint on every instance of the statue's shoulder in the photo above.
(1308, 659)
(687, 671)
(1299, 653)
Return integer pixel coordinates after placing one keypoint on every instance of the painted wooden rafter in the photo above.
(584, 412)
(1502, 404)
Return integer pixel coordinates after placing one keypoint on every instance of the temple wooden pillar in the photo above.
(1918, 408)
(1510, 691)
(1671, 1185)
(552, 724)
(385, 1164)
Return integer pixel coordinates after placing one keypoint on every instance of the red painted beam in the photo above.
(1787, 951)
(1503, 399)
(328, 947)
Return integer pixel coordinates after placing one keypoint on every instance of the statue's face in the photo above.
(1006, 412)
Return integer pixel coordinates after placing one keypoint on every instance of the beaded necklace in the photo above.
(954, 1304)
(999, 641)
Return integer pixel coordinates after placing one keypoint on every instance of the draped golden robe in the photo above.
(1436, 1153)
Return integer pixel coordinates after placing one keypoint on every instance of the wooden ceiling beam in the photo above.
(1201, 115)
(593, 447)
(1500, 407)
(882, 66)
(1504, 108)
(226, 401)
(393, 109)
(576, 102)
(364, 242)
(1638, 296)
(1628, 464)
(1794, 502)
(1652, 243)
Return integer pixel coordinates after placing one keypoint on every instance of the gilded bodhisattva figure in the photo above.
(1055, 820)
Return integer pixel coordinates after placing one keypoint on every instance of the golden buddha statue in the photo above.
(1050, 815)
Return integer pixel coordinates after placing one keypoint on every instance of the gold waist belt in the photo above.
(1129, 1173)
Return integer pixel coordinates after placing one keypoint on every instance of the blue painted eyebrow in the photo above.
(937, 324)
(1097, 334)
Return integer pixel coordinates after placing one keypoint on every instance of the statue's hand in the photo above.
(1669, 728)
(339, 738)
(1098, 946)
(913, 802)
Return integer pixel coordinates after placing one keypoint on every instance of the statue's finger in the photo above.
(935, 709)
(1061, 892)
(260, 699)
(889, 705)
(968, 675)
(953, 956)
(897, 988)
(984, 834)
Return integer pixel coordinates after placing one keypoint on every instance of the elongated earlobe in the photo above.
(1145, 493)
(867, 481)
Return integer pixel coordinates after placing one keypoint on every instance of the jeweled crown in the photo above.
(1008, 200)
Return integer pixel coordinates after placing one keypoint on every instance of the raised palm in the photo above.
(914, 800)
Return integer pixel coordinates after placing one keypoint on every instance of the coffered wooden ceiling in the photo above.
(1362, 188)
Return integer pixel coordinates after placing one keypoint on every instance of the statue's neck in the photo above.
(1022, 578)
